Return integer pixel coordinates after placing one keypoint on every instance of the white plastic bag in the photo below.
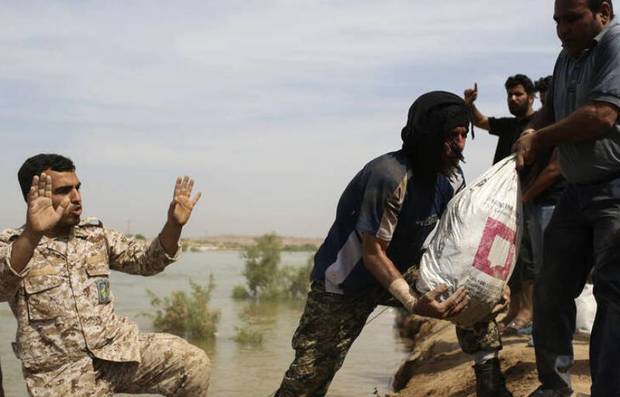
(476, 242)
(586, 310)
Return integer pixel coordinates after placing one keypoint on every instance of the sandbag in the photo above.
(475, 244)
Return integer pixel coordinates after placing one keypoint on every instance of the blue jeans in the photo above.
(537, 219)
(583, 235)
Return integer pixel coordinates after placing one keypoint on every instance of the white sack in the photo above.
(476, 242)
(586, 310)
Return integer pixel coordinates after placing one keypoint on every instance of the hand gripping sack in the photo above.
(476, 242)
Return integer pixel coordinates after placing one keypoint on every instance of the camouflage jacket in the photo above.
(62, 299)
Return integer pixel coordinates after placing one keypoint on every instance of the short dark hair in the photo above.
(521, 79)
(35, 165)
(542, 84)
(595, 5)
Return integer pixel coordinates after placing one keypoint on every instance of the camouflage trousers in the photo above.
(329, 325)
(170, 366)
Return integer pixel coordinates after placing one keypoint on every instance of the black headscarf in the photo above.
(431, 117)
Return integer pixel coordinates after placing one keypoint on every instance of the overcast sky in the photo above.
(272, 106)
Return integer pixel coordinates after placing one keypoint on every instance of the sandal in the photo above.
(518, 327)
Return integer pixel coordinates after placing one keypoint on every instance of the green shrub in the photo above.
(186, 315)
(297, 279)
(261, 264)
(265, 278)
(247, 335)
(239, 292)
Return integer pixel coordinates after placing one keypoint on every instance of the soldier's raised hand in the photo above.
(41, 215)
(182, 204)
(470, 95)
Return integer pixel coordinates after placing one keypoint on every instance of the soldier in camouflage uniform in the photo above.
(383, 217)
(54, 273)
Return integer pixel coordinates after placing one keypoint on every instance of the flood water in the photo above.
(240, 371)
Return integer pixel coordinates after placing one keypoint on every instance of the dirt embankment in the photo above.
(438, 367)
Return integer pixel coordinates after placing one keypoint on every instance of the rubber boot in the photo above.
(490, 381)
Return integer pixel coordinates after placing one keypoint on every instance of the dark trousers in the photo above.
(583, 235)
(329, 326)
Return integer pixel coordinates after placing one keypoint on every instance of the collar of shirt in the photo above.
(597, 39)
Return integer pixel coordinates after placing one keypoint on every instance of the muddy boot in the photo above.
(490, 381)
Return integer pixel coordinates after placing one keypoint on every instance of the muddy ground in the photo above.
(438, 367)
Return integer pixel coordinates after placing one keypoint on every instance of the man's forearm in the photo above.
(479, 119)
(587, 123)
(382, 268)
(23, 249)
(169, 237)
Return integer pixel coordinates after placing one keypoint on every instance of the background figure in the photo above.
(543, 185)
(542, 86)
(520, 96)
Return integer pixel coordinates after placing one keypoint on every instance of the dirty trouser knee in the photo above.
(170, 366)
(483, 337)
(77, 378)
(329, 325)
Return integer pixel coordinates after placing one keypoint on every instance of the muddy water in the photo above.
(239, 371)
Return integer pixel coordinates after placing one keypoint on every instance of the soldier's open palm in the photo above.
(41, 215)
(182, 204)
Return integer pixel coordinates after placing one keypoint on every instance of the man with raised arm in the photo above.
(374, 246)
(580, 117)
(55, 275)
(520, 96)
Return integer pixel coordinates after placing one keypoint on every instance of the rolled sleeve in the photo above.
(10, 280)
(7, 261)
(133, 256)
(161, 251)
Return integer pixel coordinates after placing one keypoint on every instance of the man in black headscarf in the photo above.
(374, 245)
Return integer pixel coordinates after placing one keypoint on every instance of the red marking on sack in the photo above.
(496, 232)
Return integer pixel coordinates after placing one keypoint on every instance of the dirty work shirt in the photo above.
(384, 201)
(62, 300)
(508, 130)
(593, 77)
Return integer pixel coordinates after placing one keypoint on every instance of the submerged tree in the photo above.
(265, 278)
(186, 315)
(261, 264)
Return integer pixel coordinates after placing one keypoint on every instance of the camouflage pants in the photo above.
(170, 366)
(329, 325)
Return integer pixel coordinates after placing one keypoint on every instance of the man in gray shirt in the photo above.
(581, 119)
